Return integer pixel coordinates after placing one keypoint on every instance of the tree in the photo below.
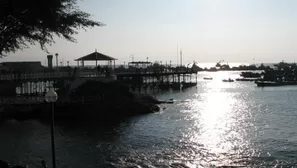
(24, 22)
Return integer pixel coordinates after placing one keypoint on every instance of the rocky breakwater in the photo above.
(105, 101)
(91, 100)
(4, 164)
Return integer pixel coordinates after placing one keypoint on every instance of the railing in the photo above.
(155, 72)
(34, 76)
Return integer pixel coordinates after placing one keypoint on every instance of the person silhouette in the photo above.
(43, 164)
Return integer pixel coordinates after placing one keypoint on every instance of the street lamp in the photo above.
(57, 59)
(51, 97)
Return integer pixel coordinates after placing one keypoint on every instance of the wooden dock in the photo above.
(159, 80)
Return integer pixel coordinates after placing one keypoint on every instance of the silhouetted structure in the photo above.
(50, 61)
(24, 67)
(96, 56)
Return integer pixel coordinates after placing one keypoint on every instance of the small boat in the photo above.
(267, 83)
(247, 79)
(228, 80)
(207, 78)
(270, 83)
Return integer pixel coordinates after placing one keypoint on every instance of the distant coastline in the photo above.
(233, 64)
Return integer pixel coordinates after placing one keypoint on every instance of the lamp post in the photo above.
(51, 97)
(57, 59)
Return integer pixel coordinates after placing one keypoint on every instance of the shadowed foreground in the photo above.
(102, 101)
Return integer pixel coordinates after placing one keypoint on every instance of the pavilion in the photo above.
(96, 56)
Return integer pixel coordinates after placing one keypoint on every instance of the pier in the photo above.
(35, 83)
(139, 76)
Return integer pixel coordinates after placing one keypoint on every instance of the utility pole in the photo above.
(147, 62)
(177, 55)
(96, 57)
(181, 57)
(132, 57)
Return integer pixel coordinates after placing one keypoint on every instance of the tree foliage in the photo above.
(24, 22)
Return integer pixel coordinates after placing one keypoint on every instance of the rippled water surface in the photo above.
(215, 124)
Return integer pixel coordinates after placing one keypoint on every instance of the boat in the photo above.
(228, 80)
(267, 83)
(207, 78)
(270, 83)
(247, 79)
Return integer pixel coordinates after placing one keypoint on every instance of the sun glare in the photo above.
(216, 125)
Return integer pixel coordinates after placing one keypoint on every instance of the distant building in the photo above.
(24, 67)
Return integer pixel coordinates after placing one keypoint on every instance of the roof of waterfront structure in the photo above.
(96, 56)
(140, 62)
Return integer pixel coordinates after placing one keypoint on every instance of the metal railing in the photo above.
(32, 76)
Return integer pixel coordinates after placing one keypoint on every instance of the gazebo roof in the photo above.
(95, 56)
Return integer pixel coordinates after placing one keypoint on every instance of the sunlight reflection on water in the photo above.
(218, 119)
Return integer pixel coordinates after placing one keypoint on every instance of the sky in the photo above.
(243, 31)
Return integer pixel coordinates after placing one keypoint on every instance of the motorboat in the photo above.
(228, 80)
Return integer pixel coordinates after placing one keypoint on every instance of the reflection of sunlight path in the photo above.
(215, 120)
(217, 126)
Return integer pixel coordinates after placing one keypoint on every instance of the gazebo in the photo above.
(96, 56)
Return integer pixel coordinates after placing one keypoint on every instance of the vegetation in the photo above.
(30, 21)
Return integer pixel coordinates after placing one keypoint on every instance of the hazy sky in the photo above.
(206, 30)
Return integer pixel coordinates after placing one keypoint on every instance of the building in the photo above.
(24, 67)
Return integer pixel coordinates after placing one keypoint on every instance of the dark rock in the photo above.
(117, 97)
(4, 164)
(178, 165)
(19, 166)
